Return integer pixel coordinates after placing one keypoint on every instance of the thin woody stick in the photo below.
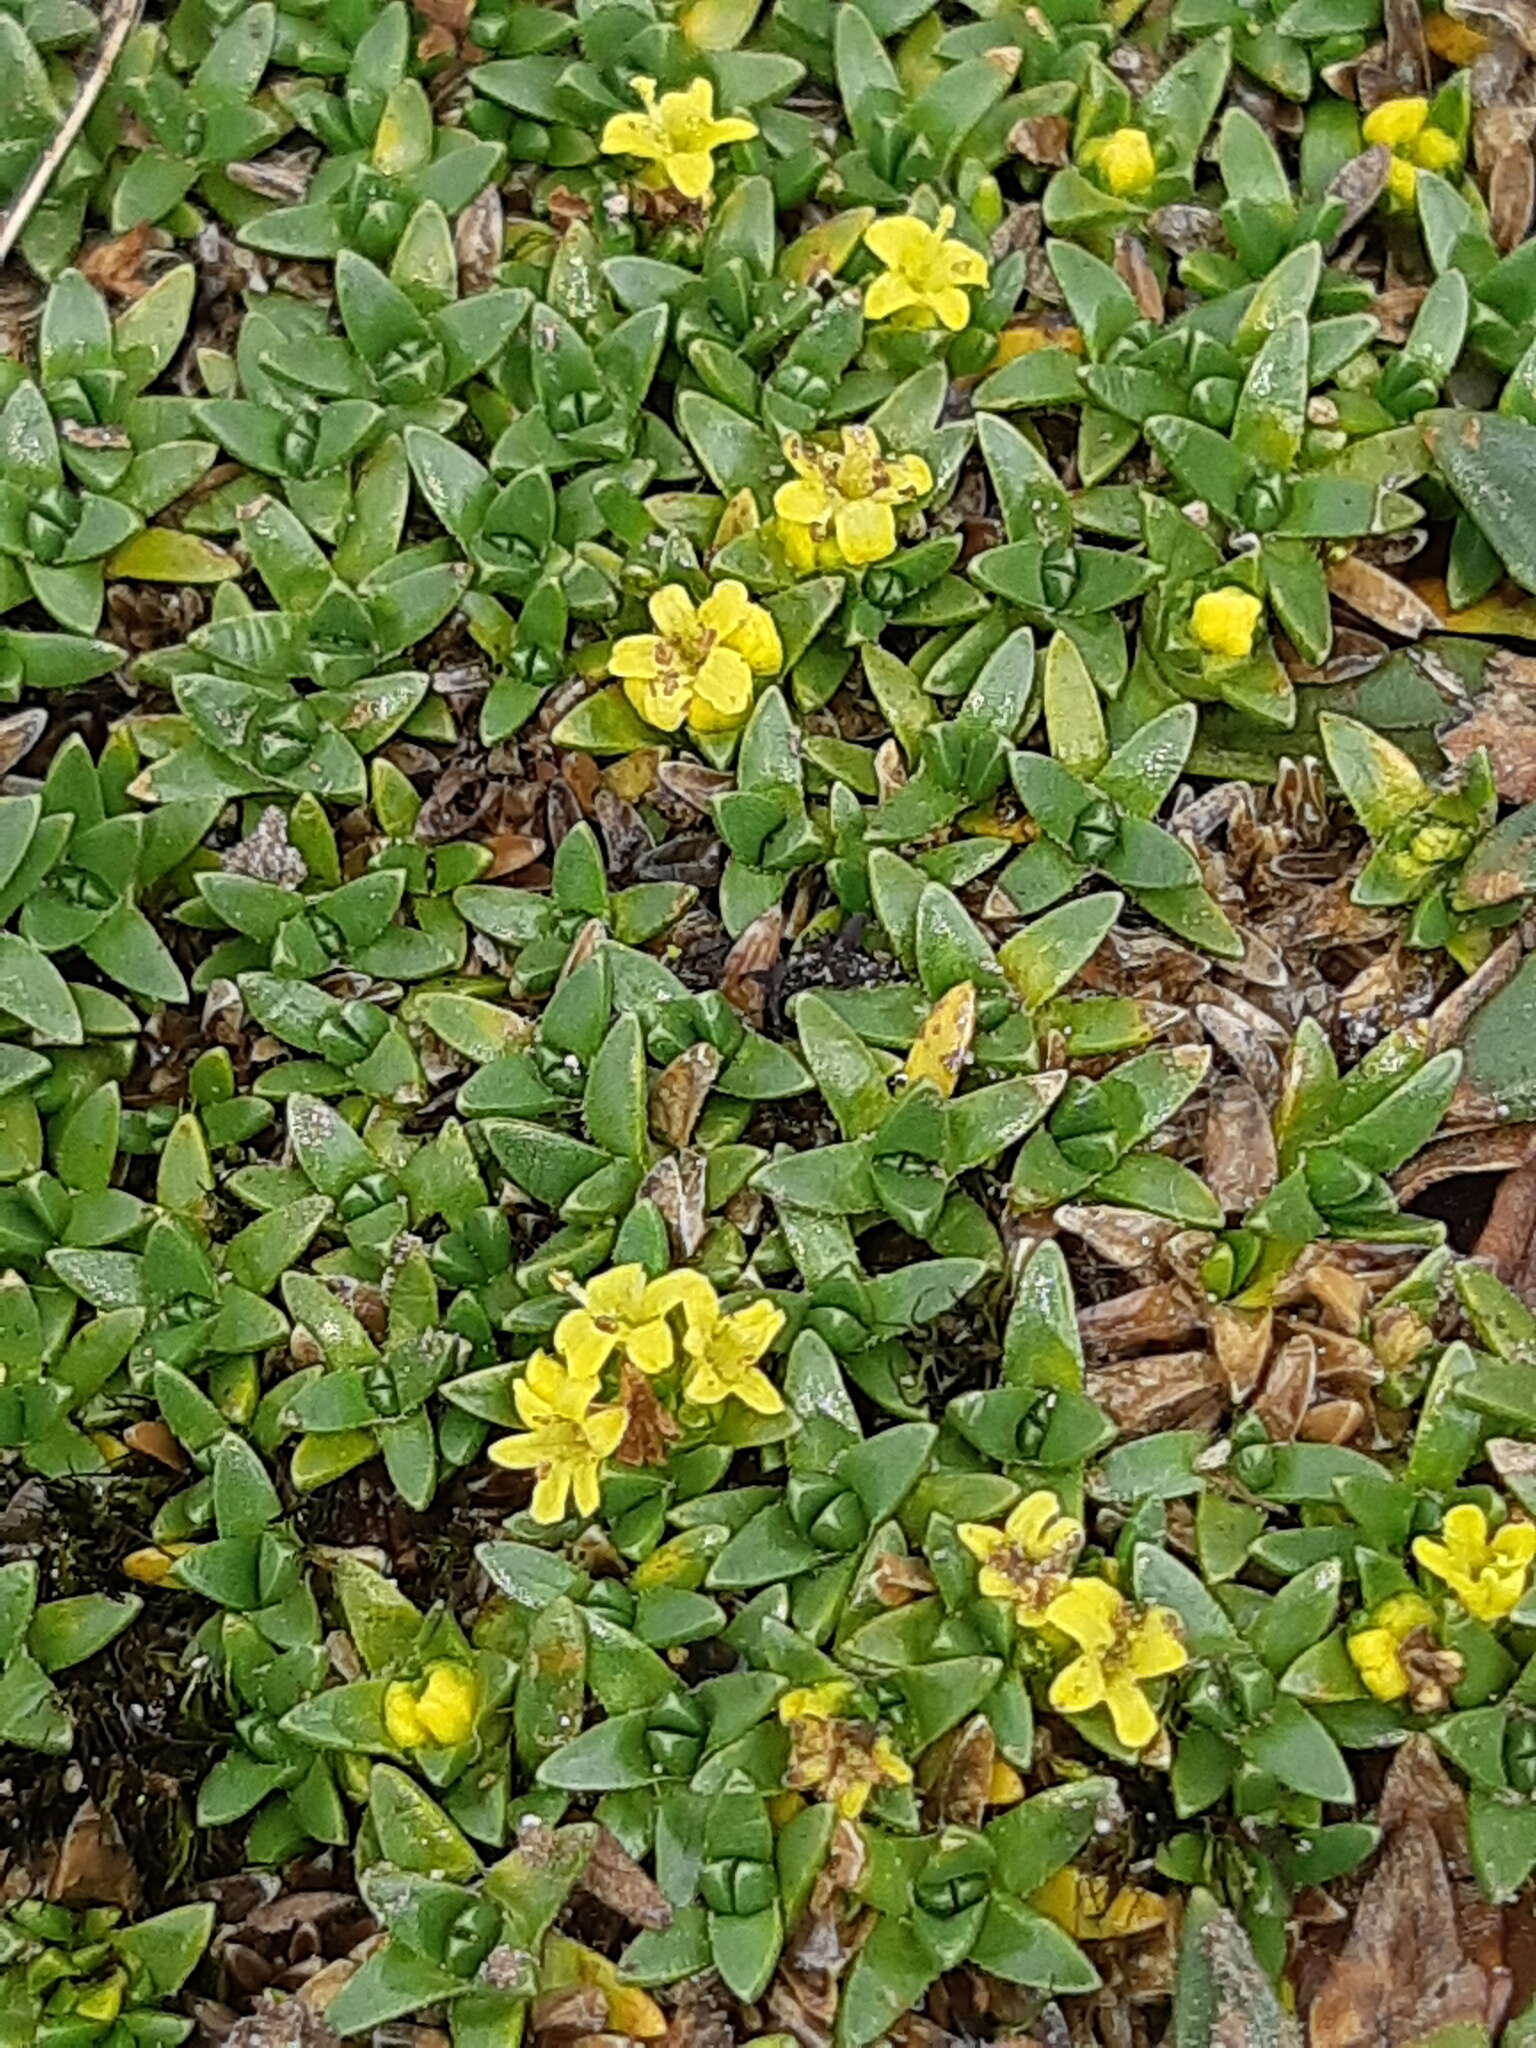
(119, 19)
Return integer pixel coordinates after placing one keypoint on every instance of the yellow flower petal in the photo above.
(672, 612)
(618, 1292)
(995, 1585)
(515, 1453)
(866, 531)
(1088, 1611)
(732, 128)
(693, 107)
(725, 608)
(402, 1723)
(902, 241)
(910, 475)
(692, 172)
(958, 263)
(1130, 1711)
(1373, 1652)
(890, 293)
(952, 307)
(803, 500)
(635, 655)
(981, 1539)
(687, 1290)
(1156, 1645)
(605, 1431)
(756, 640)
(723, 685)
(660, 703)
(759, 1393)
(583, 1343)
(585, 1486)
(1078, 1687)
(649, 1348)
(1402, 182)
(631, 135)
(825, 1702)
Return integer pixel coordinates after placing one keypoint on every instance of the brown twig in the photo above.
(119, 19)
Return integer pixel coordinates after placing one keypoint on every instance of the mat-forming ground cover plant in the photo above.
(767, 1048)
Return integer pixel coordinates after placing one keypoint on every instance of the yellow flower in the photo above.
(845, 1759)
(1488, 1575)
(1121, 1648)
(826, 1702)
(1374, 1650)
(1402, 126)
(1029, 1560)
(440, 1711)
(925, 272)
(943, 1045)
(564, 1443)
(1225, 621)
(723, 1349)
(697, 667)
(678, 133)
(620, 1312)
(1091, 1907)
(838, 510)
(1123, 162)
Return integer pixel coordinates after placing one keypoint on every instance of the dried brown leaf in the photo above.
(677, 1187)
(569, 2014)
(479, 236)
(1241, 1340)
(19, 734)
(1512, 196)
(1502, 719)
(92, 1866)
(960, 1789)
(1381, 598)
(1508, 1239)
(649, 1431)
(1136, 271)
(1240, 1164)
(119, 268)
(1288, 1387)
(681, 1089)
(749, 963)
(1498, 1148)
(1407, 51)
(1042, 139)
(614, 1876)
(1360, 183)
(1160, 1314)
(1164, 1391)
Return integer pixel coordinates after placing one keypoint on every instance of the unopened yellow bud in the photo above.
(1123, 161)
(1395, 122)
(1225, 621)
(1435, 150)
